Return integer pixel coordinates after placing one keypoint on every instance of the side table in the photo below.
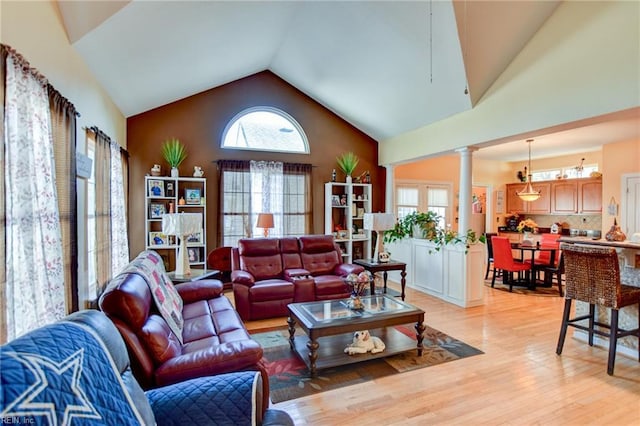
(391, 265)
(196, 275)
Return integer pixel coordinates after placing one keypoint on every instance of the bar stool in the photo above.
(592, 275)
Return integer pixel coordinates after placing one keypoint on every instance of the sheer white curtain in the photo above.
(119, 238)
(34, 260)
(267, 188)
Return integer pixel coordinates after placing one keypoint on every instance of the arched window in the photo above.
(265, 129)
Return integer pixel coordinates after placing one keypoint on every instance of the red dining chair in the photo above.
(543, 260)
(503, 259)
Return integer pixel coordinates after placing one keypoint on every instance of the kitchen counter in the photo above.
(600, 242)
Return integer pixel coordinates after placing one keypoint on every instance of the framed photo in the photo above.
(335, 200)
(194, 238)
(192, 196)
(360, 212)
(158, 239)
(156, 210)
(156, 188)
(343, 234)
(194, 254)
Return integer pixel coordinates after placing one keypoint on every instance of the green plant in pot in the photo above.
(174, 153)
(425, 225)
(347, 163)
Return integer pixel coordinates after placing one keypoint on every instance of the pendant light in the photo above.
(528, 193)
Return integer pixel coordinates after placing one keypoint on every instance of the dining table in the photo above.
(533, 249)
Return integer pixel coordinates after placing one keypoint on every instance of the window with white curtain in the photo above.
(423, 197)
(92, 292)
(250, 188)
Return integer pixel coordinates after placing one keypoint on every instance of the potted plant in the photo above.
(425, 225)
(174, 153)
(347, 163)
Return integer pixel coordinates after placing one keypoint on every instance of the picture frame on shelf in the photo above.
(156, 188)
(192, 196)
(335, 200)
(158, 239)
(193, 254)
(194, 238)
(360, 212)
(343, 234)
(156, 210)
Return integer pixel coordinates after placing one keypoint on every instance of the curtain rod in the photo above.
(247, 161)
(99, 132)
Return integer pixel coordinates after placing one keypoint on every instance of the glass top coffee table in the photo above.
(329, 326)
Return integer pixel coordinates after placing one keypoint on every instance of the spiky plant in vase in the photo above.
(347, 163)
(174, 153)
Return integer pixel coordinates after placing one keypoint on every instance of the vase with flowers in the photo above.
(527, 226)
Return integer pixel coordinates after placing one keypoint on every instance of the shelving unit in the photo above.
(163, 195)
(344, 207)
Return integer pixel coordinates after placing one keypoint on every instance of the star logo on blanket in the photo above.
(52, 380)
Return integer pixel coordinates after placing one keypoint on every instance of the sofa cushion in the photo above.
(261, 258)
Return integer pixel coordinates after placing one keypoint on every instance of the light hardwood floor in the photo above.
(519, 380)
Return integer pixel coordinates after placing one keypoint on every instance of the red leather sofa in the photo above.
(269, 273)
(214, 339)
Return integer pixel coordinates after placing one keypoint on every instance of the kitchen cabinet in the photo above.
(576, 196)
(540, 206)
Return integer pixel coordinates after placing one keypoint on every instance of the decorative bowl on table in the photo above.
(358, 283)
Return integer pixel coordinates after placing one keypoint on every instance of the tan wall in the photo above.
(198, 121)
(618, 159)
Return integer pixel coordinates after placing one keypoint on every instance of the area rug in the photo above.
(539, 291)
(289, 376)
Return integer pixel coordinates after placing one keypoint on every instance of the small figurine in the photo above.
(333, 175)
(155, 170)
(181, 201)
(197, 171)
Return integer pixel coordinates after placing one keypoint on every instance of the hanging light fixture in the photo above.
(528, 193)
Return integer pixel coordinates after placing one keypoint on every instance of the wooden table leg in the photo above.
(313, 356)
(292, 332)
(420, 327)
(403, 281)
(384, 275)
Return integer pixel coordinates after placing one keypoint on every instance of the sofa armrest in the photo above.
(225, 399)
(243, 277)
(194, 291)
(295, 274)
(214, 359)
(345, 269)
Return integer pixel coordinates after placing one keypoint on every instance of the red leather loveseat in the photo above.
(269, 273)
(176, 333)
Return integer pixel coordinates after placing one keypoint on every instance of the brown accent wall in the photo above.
(199, 120)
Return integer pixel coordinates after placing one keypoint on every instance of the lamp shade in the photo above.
(265, 220)
(378, 221)
(181, 223)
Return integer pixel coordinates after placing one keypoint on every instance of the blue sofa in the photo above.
(78, 369)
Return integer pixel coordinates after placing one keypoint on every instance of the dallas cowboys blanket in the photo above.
(60, 375)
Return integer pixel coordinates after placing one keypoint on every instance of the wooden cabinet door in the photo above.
(590, 196)
(515, 203)
(543, 204)
(564, 197)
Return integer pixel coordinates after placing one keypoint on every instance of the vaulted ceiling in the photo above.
(387, 67)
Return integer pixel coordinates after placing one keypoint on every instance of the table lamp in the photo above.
(265, 221)
(379, 222)
(181, 225)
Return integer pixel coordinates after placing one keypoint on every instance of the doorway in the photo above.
(630, 207)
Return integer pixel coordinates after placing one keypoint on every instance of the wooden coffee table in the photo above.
(329, 327)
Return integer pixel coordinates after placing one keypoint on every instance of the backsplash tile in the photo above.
(574, 221)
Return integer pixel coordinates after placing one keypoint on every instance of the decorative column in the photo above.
(388, 189)
(466, 189)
